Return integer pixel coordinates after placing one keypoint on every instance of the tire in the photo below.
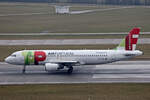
(70, 70)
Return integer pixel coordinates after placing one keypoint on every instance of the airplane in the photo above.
(60, 59)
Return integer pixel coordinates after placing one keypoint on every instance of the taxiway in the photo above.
(64, 34)
(68, 41)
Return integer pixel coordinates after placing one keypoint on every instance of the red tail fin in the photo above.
(131, 39)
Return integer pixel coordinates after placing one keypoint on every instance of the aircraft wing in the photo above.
(64, 62)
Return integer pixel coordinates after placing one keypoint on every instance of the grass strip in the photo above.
(28, 37)
(118, 20)
(113, 91)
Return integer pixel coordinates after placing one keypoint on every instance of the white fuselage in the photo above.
(90, 57)
(83, 57)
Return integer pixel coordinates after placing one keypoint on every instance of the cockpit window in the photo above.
(13, 55)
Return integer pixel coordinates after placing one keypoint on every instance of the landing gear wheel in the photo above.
(24, 69)
(70, 70)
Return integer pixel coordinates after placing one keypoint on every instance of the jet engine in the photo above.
(51, 66)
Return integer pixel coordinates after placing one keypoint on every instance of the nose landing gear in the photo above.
(24, 69)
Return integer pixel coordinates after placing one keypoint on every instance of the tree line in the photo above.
(104, 2)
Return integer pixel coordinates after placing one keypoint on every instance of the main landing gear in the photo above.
(70, 70)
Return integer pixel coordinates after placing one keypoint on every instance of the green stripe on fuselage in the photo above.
(28, 57)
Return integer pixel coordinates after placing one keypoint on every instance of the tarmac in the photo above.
(94, 10)
(68, 41)
(118, 72)
(71, 34)
(71, 12)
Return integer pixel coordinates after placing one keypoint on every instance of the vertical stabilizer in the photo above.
(130, 41)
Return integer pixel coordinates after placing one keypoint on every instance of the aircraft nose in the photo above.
(7, 60)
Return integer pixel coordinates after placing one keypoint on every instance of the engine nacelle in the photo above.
(51, 66)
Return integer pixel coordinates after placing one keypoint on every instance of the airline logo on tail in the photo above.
(130, 41)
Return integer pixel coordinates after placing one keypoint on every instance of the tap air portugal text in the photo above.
(59, 59)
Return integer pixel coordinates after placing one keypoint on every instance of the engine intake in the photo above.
(51, 66)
